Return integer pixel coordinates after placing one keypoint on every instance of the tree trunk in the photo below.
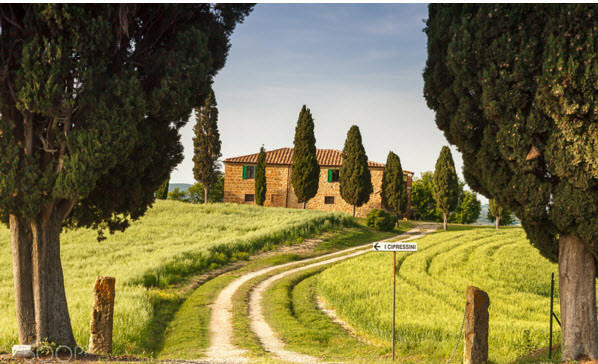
(444, 224)
(51, 311)
(304, 204)
(577, 274)
(21, 243)
(497, 222)
(353, 210)
(206, 191)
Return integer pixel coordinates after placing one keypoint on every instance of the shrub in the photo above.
(381, 220)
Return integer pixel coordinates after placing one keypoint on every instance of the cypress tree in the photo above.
(514, 88)
(394, 189)
(206, 144)
(92, 98)
(355, 179)
(162, 192)
(305, 170)
(260, 178)
(446, 184)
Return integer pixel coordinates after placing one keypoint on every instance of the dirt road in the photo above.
(222, 350)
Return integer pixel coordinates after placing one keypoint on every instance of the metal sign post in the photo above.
(551, 314)
(394, 295)
(394, 247)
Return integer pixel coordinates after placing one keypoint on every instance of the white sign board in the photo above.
(396, 246)
(22, 351)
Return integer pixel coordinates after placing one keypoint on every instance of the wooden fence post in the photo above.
(476, 326)
(100, 341)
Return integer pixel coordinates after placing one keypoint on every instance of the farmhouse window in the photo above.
(333, 175)
(329, 200)
(248, 172)
(249, 197)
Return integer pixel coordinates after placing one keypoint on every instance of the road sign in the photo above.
(397, 246)
(394, 247)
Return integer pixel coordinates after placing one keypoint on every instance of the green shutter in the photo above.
(244, 172)
(330, 175)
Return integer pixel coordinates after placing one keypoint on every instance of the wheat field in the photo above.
(173, 241)
(431, 286)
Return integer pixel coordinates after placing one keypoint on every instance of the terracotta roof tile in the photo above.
(284, 156)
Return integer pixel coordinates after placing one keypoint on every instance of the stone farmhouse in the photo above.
(239, 183)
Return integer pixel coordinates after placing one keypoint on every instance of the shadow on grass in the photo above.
(165, 304)
(541, 356)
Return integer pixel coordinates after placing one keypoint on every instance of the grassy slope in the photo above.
(293, 314)
(187, 334)
(171, 242)
(431, 288)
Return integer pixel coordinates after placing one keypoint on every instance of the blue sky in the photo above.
(350, 64)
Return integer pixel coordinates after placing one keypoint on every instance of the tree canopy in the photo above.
(92, 98)
(162, 191)
(260, 178)
(446, 184)
(514, 88)
(511, 88)
(423, 205)
(498, 214)
(196, 193)
(206, 144)
(354, 176)
(394, 187)
(305, 170)
(468, 209)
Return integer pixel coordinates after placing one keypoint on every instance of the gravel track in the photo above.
(222, 350)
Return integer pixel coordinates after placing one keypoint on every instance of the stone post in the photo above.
(100, 341)
(476, 326)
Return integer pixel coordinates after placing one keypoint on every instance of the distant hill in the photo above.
(180, 186)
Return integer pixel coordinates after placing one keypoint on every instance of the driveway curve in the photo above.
(222, 350)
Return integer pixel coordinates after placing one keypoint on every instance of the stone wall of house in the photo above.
(279, 191)
(332, 189)
(235, 187)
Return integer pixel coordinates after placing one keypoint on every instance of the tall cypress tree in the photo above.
(305, 170)
(446, 184)
(206, 144)
(394, 189)
(92, 97)
(355, 179)
(514, 87)
(162, 192)
(260, 178)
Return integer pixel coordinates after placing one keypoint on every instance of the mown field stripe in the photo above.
(431, 292)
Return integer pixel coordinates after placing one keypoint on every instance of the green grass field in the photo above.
(431, 287)
(172, 242)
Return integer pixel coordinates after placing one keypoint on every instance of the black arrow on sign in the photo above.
(376, 245)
